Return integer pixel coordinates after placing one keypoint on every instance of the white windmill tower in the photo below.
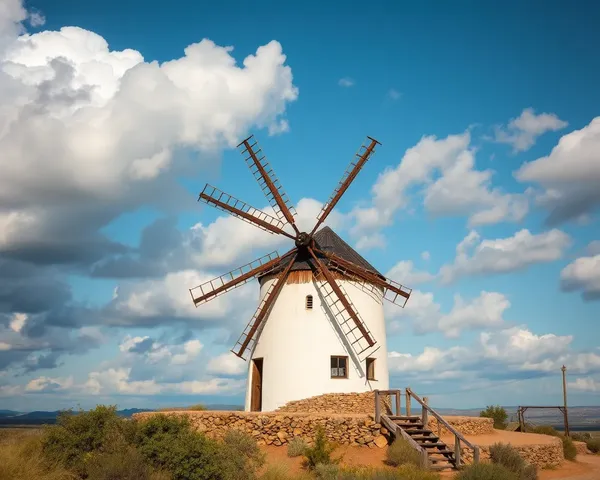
(319, 327)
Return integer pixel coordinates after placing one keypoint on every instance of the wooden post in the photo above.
(398, 408)
(424, 413)
(521, 419)
(424, 460)
(457, 451)
(476, 455)
(565, 414)
(377, 407)
(407, 402)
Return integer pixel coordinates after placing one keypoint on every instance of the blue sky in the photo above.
(471, 200)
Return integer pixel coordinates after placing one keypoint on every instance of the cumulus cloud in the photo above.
(426, 315)
(568, 176)
(405, 273)
(583, 275)
(346, 82)
(475, 256)
(585, 384)
(522, 132)
(227, 364)
(451, 185)
(511, 353)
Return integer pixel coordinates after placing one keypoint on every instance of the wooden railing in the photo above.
(426, 410)
(458, 437)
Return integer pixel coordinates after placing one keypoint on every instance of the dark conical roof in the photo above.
(328, 241)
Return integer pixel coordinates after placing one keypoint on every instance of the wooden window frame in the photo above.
(370, 374)
(338, 377)
(308, 302)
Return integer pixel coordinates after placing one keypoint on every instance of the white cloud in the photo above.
(586, 384)
(227, 364)
(48, 384)
(426, 255)
(481, 257)
(18, 321)
(484, 311)
(458, 189)
(569, 175)
(405, 273)
(582, 274)
(516, 352)
(115, 126)
(191, 349)
(346, 82)
(394, 94)
(523, 131)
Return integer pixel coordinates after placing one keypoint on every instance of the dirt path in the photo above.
(587, 467)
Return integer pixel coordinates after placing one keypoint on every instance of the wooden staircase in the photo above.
(435, 454)
(439, 456)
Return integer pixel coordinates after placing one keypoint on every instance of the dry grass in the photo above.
(22, 459)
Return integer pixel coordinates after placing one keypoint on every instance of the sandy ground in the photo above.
(586, 467)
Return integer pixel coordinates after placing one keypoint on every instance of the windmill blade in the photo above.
(223, 201)
(346, 305)
(248, 335)
(392, 291)
(236, 278)
(363, 154)
(268, 181)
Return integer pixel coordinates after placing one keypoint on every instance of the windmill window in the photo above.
(370, 369)
(309, 302)
(339, 367)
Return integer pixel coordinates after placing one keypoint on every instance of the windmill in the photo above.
(298, 351)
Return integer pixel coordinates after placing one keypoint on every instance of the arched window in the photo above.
(309, 302)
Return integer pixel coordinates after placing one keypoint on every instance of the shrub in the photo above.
(76, 436)
(404, 472)
(281, 472)
(486, 471)
(197, 408)
(497, 413)
(169, 443)
(125, 464)
(545, 430)
(593, 444)
(510, 458)
(320, 452)
(569, 449)
(240, 456)
(327, 471)
(400, 452)
(22, 458)
(296, 447)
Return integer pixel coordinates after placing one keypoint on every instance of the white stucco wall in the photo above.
(296, 345)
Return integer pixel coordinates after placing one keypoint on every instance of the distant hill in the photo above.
(10, 417)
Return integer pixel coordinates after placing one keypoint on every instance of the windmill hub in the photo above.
(303, 240)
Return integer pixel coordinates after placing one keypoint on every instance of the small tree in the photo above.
(497, 413)
(320, 452)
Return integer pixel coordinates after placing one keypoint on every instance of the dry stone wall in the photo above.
(546, 455)
(465, 425)
(354, 403)
(274, 428)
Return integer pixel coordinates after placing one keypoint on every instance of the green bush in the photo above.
(400, 452)
(486, 471)
(125, 464)
(75, 437)
(327, 471)
(169, 444)
(198, 407)
(281, 472)
(545, 430)
(497, 413)
(296, 447)
(404, 472)
(240, 456)
(593, 444)
(569, 449)
(509, 457)
(320, 452)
